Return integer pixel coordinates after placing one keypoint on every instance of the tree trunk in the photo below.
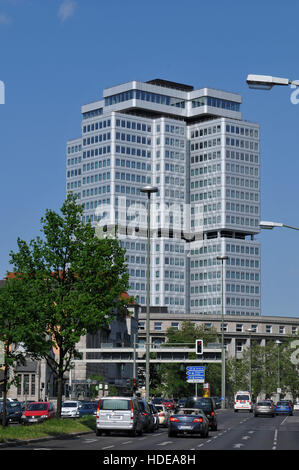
(4, 409)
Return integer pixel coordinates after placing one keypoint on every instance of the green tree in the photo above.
(16, 327)
(74, 280)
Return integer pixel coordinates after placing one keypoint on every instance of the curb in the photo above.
(41, 439)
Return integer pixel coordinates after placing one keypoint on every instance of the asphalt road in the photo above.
(236, 431)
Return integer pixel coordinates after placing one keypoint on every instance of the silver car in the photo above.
(119, 414)
(264, 408)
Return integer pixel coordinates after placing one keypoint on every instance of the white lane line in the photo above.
(275, 440)
(127, 442)
(108, 447)
(164, 443)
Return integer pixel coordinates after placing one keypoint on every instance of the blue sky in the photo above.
(56, 55)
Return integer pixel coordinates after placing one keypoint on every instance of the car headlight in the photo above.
(44, 416)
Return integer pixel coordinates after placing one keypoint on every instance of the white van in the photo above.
(243, 401)
(70, 409)
(120, 414)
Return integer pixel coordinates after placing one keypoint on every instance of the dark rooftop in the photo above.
(174, 85)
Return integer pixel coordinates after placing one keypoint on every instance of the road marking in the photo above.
(246, 437)
(90, 440)
(200, 445)
(127, 442)
(275, 440)
(283, 420)
(165, 443)
(237, 446)
(108, 447)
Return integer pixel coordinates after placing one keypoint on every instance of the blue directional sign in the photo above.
(195, 374)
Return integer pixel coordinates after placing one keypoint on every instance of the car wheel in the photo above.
(133, 433)
(172, 434)
(140, 433)
(98, 432)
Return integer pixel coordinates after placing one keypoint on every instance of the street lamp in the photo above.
(278, 368)
(250, 330)
(148, 190)
(266, 82)
(222, 259)
(271, 225)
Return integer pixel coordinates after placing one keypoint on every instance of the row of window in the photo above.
(204, 157)
(236, 194)
(96, 126)
(97, 151)
(133, 125)
(96, 178)
(132, 151)
(95, 139)
(132, 164)
(216, 103)
(238, 327)
(133, 138)
(247, 183)
(206, 131)
(247, 157)
(246, 144)
(203, 170)
(74, 149)
(242, 131)
(245, 170)
(205, 144)
(235, 220)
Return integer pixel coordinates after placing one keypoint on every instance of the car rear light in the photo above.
(99, 404)
(132, 410)
(174, 420)
(197, 420)
(161, 414)
(212, 413)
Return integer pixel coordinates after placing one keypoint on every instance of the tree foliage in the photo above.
(74, 281)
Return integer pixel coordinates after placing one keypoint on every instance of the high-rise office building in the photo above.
(205, 161)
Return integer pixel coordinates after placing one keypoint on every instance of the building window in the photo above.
(141, 325)
(268, 328)
(158, 326)
(175, 325)
(32, 384)
(239, 327)
(281, 330)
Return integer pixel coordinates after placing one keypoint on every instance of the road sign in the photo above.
(195, 381)
(195, 374)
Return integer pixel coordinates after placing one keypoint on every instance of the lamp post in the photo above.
(222, 259)
(148, 190)
(278, 369)
(266, 82)
(271, 225)
(250, 330)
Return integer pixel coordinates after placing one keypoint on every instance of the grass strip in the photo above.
(51, 428)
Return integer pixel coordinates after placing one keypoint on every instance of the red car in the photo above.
(170, 404)
(37, 412)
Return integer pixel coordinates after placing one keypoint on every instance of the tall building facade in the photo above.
(205, 161)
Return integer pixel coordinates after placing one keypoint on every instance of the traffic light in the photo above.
(134, 383)
(199, 346)
(129, 383)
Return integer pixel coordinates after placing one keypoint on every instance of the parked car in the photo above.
(189, 421)
(37, 412)
(283, 407)
(119, 414)
(13, 412)
(296, 406)
(148, 418)
(164, 415)
(206, 404)
(155, 414)
(264, 408)
(70, 409)
(87, 409)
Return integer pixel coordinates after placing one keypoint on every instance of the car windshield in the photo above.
(242, 397)
(117, 404)
(264, 403)
(37, 407)
(283, 403)
(69, 404)
(203, 404)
